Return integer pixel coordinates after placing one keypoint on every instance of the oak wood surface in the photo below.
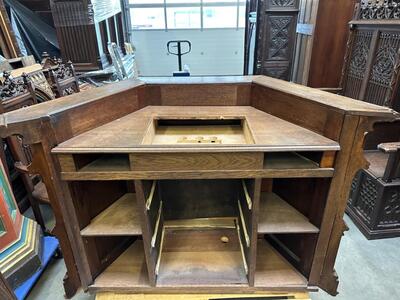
(128, 274)
(195, 174)
(260, 295)
(278, 217)
(273, 270)
(336, 102)
(199, 257)
(120, 218)
(262, 125)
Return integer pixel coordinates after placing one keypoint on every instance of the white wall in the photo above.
(214, 51)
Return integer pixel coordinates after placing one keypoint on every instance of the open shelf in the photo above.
(126, 272)
(277, 216)
(121, 218)
(292, 165)
(210, 257)
(107, 163)
(273, 271)
(288, 160)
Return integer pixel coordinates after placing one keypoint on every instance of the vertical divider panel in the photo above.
(248, 206)
(150, 208)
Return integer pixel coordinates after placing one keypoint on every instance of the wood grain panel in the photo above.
(195, 161)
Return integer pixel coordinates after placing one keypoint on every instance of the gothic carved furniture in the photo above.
(84, 28)
(15, 94)
(60, 76)
(301, 160)
(276, 37)
(371, 74)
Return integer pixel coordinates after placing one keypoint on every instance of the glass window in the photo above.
(220, 16)
(242, 16)
(146, 1)
(148, 18)
(221, 1)
(183, 17)
(183, 1)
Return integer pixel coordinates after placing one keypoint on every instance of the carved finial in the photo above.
(11, 87)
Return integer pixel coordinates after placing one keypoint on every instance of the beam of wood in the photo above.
(121, 218)
(204, 223)
(277, 216)
(261, 296)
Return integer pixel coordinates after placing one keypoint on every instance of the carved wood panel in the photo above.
(372, 65)
(276, 36)
(357, 64)
(379, 87)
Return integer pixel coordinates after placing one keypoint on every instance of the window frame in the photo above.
(200, 4)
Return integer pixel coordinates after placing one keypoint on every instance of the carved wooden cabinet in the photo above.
(276, 37)
(213, 183)
(371, 74)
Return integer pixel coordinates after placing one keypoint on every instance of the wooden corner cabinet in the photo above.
(200, 185)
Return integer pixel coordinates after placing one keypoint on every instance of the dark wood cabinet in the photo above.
(84, 29)
(371, 74)
(276, 37)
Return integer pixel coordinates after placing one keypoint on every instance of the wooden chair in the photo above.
(61, 77)
(17, 93)
(371, 74)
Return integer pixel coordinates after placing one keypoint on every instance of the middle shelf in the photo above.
(122, 218)
(119, 219)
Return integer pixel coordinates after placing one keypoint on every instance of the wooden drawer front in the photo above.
(196, 161)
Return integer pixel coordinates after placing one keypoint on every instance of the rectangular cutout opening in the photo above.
(199, 131)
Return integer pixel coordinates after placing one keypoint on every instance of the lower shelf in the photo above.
(201, 258)
(129, 274)
(273, 271)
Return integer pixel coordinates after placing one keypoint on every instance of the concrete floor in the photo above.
(368, 270)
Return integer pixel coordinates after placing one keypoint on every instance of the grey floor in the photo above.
(368, 270)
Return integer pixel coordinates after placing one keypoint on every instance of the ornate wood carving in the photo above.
(276, 37)
(357, 63)
(279, 31)
(379, 89)
(282, 2)
(380, 10)
(11, 87)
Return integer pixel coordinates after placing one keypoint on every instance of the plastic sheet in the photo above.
(77, 13)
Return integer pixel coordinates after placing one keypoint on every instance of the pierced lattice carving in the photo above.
(359, 57)
(368, 196)
(282, 2)
(380, 10)
(391, 209)
(380, 82)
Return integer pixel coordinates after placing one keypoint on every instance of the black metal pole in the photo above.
(179, 56)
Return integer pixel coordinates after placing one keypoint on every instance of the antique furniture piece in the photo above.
(60, 76)
(276, 37)
(15, 94)
(371, 74)
(294, 36)
(236, 190)
(20, 238)
(93, 23)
